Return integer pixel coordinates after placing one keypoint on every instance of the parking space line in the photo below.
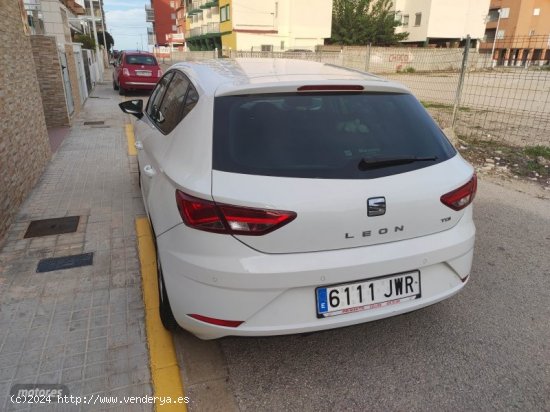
(165, 372)
(131, 139)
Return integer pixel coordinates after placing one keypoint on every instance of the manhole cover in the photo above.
(94, 123)
(65, 262)
(56, 226)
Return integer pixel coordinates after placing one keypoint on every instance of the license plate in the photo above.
(146, 73)
(367, 294)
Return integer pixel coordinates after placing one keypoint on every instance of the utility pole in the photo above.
(104, 29)
(100, 71)
(493, 62)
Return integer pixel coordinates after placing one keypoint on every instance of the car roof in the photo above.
(260, 75)
(137, 52)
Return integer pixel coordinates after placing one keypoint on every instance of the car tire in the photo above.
(165, 310)
(121, 91)
(115, 87)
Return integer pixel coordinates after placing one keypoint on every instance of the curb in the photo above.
(165, 372)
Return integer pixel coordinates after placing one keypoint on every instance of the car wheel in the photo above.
(115, 87)
(165, 310)
(121, 91)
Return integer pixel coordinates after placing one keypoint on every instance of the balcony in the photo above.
(206, 30)
(195, 7)
(205, 4)
(149, 14)
(213, 28)
(76, 6)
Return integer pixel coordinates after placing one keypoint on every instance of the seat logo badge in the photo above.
(376, 206)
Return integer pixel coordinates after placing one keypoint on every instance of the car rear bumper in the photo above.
(139, 83)
(274, 294)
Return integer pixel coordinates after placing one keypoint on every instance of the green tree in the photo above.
(357, 22)
(87, 41)
(108, 38)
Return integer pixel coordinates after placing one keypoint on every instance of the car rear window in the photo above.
(141, 59)
(323, 135)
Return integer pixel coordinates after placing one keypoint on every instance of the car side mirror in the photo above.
(134, 107)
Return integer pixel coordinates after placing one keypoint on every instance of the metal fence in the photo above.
(505, 99)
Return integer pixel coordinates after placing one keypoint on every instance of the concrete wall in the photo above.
(48, 71)
(55, 20)
(24, 144)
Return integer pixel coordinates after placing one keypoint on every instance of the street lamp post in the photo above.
(493, 62)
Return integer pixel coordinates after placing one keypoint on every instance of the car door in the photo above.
(145, 130)
(165, 117)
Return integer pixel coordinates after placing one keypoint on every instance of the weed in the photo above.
(535, 151)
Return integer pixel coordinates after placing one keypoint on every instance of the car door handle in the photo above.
(138, 145)
(149, 171)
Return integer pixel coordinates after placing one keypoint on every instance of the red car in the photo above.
(135, 70)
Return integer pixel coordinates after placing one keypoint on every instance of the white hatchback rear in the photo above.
(290, 196)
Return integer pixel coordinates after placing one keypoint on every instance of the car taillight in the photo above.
(159, 73)
(125, 72)
(228, 219)
(459, 198)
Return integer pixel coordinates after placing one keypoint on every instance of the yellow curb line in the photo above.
(165, 371)
(131, 139)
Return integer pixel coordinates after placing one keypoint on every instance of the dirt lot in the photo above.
(510, 106)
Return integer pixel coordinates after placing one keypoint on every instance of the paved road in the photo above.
(487, 348)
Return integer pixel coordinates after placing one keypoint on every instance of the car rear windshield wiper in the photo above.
(368, 163)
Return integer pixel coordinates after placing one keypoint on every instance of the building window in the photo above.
(536, 12)
(505, 12)
(224, 13)
(173, 16)
(532, 32)
(267, 47)
(174, 28)
(417, 19)
(493, 15)
(172, 4)
(405, 20)
(500, 34)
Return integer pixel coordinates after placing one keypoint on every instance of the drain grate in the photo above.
(56, 226)
(94, 123)
(65, 262)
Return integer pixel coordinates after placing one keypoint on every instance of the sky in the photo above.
(125, 21)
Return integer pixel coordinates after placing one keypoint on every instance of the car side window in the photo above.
(170, 113)
(190, 101)
(153, 105)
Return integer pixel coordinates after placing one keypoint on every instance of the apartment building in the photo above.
(441, 23)
(256, 25)
(271, 25)
(162, 15)
(202, 25)
(518, 32)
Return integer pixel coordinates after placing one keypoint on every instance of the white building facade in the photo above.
(275, 25)
(442, 23)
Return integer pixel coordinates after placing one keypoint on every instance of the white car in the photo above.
(289, 196)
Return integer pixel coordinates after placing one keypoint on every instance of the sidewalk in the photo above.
(82, 327)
